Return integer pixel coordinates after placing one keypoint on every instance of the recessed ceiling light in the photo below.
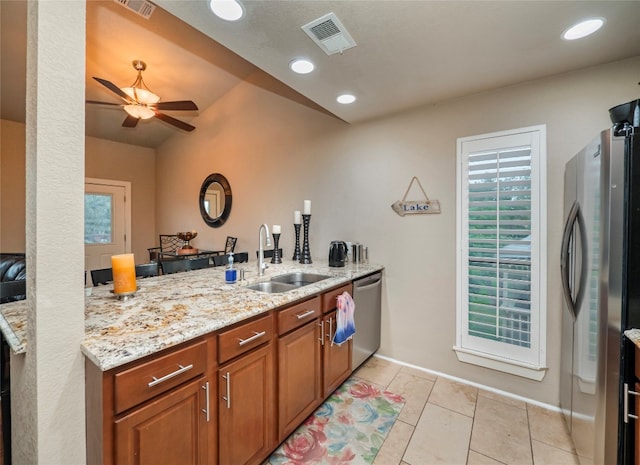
(346, 99)
(583, 29)
(301, 66)
(229, 10)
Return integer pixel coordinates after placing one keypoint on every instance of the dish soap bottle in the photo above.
(230, 274)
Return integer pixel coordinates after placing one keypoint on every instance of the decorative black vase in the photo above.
(276, 251)
(296, 250)
(306, 253)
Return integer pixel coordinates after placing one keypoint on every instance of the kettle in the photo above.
(338, 253)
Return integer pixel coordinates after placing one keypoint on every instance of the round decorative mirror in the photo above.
(215, 200)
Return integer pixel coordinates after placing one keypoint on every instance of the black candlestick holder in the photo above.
(306, 253)
(276, 251)
(296, 250)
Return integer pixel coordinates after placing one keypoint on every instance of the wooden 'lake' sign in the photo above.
(415, 207)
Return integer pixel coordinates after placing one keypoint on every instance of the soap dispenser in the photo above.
(230, 274)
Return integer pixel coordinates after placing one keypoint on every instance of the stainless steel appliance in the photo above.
(367, 295)
(600, 248)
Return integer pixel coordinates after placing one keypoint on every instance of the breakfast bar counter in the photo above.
(171, 309)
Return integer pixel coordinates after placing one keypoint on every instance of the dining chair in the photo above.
(147, 270)
(268, 253)
(198, 263)
(13, 290)
(222, 260)
(174, 266)
(229, 246)
(101, 276)
(169, 243)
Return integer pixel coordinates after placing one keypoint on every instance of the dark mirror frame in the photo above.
(220, 220)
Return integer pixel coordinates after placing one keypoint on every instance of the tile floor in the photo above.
(449, 423)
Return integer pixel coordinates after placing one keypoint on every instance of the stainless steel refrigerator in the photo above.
(600, 249)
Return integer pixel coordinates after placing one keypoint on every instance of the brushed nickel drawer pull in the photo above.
(227, 378)
(170, 375)
(321, 324)
(206, 393)
(305, 314)
(255, 336)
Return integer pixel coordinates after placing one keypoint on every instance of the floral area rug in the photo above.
(349, 428)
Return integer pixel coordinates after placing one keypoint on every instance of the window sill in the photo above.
(507, 366)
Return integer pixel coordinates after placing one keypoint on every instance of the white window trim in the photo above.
(537, 370)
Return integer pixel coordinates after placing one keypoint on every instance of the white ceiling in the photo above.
(409, 53)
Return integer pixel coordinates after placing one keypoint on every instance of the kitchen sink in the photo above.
(287, 282)
(299, 279)
(271, 287)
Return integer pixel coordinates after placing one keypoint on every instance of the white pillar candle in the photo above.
(276, 229)
(296, 217)
(307, 207)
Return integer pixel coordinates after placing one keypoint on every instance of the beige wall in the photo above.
(123, 162)
(276, 153)
(104, 160)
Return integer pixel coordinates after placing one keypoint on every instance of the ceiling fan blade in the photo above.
(130, 121)
(177, 123)
(115, 89)
(177, 105)
(96, 102)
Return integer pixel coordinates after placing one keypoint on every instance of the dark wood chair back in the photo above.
(222, 260)
(101, 276)
(147, 270)
(198, 263)
(230, 245)
(174, 266)
(169, 243)
(269, 253)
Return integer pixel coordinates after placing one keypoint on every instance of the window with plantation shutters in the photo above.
(501, 247)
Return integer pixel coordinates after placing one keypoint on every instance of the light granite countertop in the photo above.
(633, 335)
(171, 309)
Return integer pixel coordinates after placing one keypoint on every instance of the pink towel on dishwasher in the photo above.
(346, 326)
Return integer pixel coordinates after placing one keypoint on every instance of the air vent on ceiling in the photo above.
(140, 7)
(329, 33)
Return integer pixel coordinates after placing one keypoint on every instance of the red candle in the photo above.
(124, 273)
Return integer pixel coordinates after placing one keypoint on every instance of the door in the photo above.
(107, 222)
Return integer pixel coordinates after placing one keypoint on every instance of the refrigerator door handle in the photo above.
(574, 217)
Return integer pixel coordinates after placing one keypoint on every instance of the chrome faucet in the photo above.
(261, 264)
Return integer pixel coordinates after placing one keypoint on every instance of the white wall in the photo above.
(276, 153)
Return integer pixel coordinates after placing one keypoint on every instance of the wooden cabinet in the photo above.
(160, 410)
(246, 394)
(299, 365)
(336, 359)
(171, 430)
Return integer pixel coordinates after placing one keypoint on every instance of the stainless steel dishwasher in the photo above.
(367, 296)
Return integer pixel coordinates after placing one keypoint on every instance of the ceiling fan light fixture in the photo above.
(229, 10)
(139, 111)
(583, 29)
(141, 95)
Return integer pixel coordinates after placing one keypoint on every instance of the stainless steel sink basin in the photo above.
(287, 282)
(299, 279)
(271, 287)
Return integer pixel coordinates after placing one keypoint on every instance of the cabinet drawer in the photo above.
(329, 297)
(151, 378)
(245, 337)
(298, 315)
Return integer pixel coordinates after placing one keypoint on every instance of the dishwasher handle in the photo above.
(368, 282)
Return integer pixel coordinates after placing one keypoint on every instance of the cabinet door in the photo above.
(336, 358)
(299, 375)
(173, 429)
(246, 408)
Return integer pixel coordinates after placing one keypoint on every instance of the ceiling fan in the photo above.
(141, 103)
